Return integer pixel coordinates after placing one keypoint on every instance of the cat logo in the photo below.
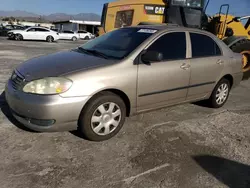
(154, 9)
(159, 10)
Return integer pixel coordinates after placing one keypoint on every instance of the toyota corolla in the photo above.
(124, 72)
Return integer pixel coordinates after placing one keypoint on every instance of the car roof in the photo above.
(38, 27)
(175, 27)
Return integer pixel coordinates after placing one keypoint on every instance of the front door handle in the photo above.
(185, 66)
(219, 62)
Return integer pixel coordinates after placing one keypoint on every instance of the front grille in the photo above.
(17, 81)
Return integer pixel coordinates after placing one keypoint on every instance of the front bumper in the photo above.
(29, 109)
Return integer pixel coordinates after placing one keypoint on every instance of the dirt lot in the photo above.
(182, 146)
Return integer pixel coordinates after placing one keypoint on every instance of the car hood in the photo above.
(58, 64)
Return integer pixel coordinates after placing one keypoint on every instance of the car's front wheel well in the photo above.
(123, 96)
(117, 92)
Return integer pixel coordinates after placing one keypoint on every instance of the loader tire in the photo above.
(243, 47)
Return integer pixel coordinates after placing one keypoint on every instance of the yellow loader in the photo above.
(234, 31)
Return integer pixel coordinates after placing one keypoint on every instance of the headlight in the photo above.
(48, 86)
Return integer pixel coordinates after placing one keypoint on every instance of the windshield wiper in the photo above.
(94, 52)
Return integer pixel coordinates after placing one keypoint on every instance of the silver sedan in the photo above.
(124, 72)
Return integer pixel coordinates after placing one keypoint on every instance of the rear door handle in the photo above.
(219, 62)
(185, 66)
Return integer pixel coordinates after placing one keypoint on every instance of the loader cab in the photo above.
(187, 13)
(123, 13)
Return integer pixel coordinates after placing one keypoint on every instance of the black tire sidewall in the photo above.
(19, 36)
(74, 38)
(52, 38)
(85, 118)
(240, 47)
(212, 100)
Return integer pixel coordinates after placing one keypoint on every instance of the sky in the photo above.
(45, 7)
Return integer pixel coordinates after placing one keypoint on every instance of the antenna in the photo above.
(208, 1)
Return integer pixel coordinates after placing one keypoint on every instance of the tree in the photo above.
(6, 19)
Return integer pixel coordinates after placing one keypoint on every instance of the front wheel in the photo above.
(50, 39)
(103, 117)
(18, 37)
(220, 94)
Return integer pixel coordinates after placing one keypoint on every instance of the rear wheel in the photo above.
(74, 39)
(18, 37)
(243, 47)
(220, 94)
(86, 38)
(103, 117)
(50, 39)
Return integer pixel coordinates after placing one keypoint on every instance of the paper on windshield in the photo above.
(147, 31)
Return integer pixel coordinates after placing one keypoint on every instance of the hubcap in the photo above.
(18, 37)
(222, 94)
(106, 118)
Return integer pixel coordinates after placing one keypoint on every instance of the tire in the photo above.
(74, 39)
(214, 101)
(18, 37)
(94, 128)
(243, 47)
(86, 38)
(50, 38)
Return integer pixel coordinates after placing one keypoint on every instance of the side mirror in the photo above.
(152, 56)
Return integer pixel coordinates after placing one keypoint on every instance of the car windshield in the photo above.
(120, 43)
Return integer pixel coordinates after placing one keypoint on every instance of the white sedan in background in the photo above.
(85, 35)
(34, 33)
(68, 35)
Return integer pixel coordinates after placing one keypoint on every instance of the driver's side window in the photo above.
(171, 45)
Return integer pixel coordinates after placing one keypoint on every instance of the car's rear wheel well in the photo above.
(229, 78)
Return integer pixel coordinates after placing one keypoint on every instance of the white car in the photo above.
(69, 35)
(85, 35)
(34, 33)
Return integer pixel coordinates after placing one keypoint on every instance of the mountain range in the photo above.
(51, 17)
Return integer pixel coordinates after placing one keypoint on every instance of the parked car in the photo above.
(69, 35)
(94, 87)
(85, 35)
(34, 33)
(5, 29)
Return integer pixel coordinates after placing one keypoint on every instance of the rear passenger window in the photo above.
(171, 45)
(41, 30)
(203, 46)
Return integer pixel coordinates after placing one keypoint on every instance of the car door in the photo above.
(30, 34)
(207, 64)
(166, 82)
(63, 35)
(41, 34)
(70, 35)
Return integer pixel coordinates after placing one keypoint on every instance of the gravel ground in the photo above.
(182, 146)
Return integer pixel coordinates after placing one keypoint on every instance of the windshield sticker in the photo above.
(147, 31)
